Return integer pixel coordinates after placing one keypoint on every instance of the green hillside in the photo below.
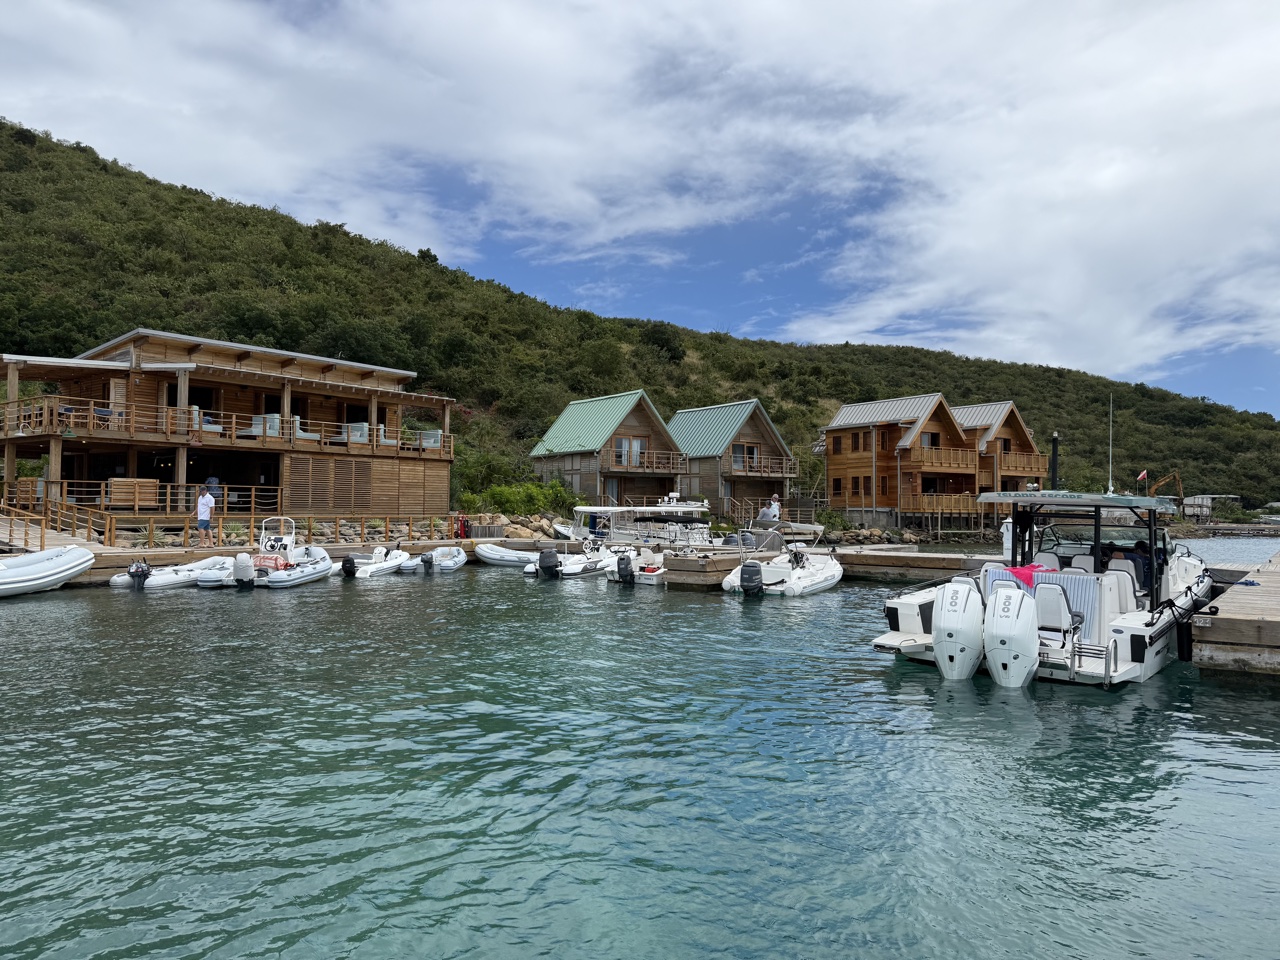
(90, 249)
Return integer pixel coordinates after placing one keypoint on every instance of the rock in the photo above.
(875, 532)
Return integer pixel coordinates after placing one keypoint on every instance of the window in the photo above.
(1006, 445)
(884, 439)
(746, 455)
(853, 443)
(853, 485)
(866, 486)
(866, 441)
(835, 444)
(835, 487)
(930, 439)
(629, 451)
(884, 486)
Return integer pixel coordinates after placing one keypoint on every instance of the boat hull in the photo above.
(43, 570)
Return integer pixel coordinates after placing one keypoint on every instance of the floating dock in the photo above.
(1244, 635)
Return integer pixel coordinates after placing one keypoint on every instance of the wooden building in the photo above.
(141, 420)
(1007, 455)
(915, 457)
(737, 458)
(614, 451)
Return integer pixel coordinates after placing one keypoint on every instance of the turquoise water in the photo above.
(477, 765)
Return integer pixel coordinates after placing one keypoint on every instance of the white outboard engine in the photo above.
(139, 571)
(752, 578)
(626, 571)
(242, 571)
(549, 563)
(348, 566)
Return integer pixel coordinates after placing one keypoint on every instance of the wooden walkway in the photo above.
(1244, 635)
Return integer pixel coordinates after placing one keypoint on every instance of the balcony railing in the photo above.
(1024, 464)
(644, 461)
(951, 503)
(740, 466)
(947, 458)
(46, 416)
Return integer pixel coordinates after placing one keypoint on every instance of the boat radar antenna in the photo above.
(1111, 412)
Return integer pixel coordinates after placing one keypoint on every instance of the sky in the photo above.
(1093, 185)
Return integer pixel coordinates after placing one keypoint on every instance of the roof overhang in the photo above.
(56, 368)
(1083, 501)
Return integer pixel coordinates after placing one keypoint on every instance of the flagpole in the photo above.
(1111, 410)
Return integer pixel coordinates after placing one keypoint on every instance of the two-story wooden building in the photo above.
(913, 457)
(614, 451)
(139, 421)
(737, 457)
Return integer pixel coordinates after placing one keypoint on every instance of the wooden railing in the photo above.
(644, 461)
(1024, 464)
(138, 494)
(985, 478)
(947, 457)
(938, 503)
(77, 417)
(759, 466)
(22, 528)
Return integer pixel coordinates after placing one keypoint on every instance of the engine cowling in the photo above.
(626, 571)
(549, 564)
(752, 578)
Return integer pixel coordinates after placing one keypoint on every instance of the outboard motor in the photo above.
(348, 566)
(428, 562)
(731, 540)
(242, 571)
(626, 572)
(748, 539)
(752, 578)
(549, 563)
(139, 571)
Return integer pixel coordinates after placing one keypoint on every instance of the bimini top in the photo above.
(1064, 498)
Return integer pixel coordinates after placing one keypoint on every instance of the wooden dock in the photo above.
(1244, 635)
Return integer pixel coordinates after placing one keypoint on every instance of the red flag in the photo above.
(1142, 475)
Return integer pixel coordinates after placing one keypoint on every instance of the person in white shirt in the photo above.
(204, 516)
(775, 508)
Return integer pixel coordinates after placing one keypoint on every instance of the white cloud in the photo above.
(1086, 184)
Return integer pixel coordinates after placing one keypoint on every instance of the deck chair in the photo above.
(1084, 562)
(1057, 623)
(1125, 565)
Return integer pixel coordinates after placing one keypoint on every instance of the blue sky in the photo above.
(1090, 185)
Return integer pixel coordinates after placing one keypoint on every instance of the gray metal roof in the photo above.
(708, 431)
(585, 426)
(884, 411)
(990, 415)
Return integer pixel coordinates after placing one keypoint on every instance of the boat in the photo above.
(42, 570)
(383, 561)
(564, 531)
(444, 559)
(673, 521)
(644, 567)
(1073, 600)
(142, 576)
(595, 558)
(354, 561)
(280, 564)
(796, 572)
(504, 556)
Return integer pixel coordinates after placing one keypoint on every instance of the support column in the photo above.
(446, 418)
(11, 409)
(286, 405)
(53, 485)
(184, 402)
(10, 466)
(373, 422)
(131, 462)
(180, 473)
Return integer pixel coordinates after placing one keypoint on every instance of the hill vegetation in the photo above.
(90, 249)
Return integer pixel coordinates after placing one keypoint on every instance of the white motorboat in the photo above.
(444, 559)
(795, 572)
(384, 561)
(352, 562)
(1103, 604)
(644, 566)
(553, 565)
(142, 576)
(280, 564)
(674, 521)
(505, 556)
(42, 570)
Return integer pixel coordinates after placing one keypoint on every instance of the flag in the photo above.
(1142, 475)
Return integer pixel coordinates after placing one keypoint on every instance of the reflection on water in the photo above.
(479, 765)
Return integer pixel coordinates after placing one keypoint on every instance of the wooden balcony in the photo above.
(985, 478)
(944, 459)
(776, 467)
(948, 503)
(644, 461)
(46, 416)
(1024, 464)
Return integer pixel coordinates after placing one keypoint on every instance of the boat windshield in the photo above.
(1069, 539)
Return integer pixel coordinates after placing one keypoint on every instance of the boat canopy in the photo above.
(1063, 498)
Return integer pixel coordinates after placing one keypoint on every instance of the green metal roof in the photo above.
(708, 431)
(585, 426)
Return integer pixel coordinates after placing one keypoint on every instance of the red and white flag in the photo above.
(1142, 475)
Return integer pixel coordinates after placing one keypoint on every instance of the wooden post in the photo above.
(53, 484)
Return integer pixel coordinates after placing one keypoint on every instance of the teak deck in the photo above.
(1244, 636)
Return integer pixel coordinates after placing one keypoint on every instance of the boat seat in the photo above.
(970, 581)
(984, 577)
(1056, 621)
(1047, 560)
(1084, 562)
(1074, 571)
(1126, 589)
(1124, 564)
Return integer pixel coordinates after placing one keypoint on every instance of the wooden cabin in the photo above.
(139, 421)
(737, 458)
(614, 451)
(909, 455)
(1007, 455)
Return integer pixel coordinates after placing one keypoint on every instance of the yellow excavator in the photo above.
(1164, 481)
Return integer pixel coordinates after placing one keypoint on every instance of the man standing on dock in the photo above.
(204, 516)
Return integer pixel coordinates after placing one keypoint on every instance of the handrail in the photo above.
(28, 520)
